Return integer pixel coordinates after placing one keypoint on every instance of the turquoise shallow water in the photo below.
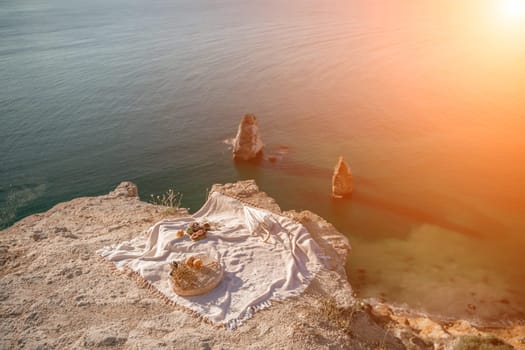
(100, 92)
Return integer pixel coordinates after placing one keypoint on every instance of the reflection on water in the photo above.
(425, 101)
(470, 269)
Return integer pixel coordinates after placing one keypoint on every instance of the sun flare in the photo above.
(512, 10)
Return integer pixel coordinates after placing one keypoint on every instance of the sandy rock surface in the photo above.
(56, 293)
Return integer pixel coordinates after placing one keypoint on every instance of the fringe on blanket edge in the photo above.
(230, 325)
(239, 321)
(145, 284)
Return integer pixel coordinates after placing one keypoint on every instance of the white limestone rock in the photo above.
(247, 144)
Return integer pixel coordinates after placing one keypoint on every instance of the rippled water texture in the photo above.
(426, 102)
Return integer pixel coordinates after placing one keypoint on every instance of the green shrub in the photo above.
(482, 343)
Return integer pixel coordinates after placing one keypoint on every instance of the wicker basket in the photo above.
(190, 281)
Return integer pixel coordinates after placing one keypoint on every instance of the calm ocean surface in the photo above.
(427, 107)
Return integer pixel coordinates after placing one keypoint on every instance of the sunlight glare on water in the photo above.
(425, 100)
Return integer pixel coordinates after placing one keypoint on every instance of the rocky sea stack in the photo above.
(247, 144)
(342, 180)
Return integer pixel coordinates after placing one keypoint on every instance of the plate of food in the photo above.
(197, 231)
(196, 275)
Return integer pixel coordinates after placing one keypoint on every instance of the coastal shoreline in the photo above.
(56, 294)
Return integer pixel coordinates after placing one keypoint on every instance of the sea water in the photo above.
(425, 104)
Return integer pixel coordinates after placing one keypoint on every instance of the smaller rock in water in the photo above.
(247, 144)
(342, 180)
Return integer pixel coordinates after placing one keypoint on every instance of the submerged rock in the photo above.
(247, 144)
(341, 180)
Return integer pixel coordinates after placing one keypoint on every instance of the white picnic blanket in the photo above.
(262, 262)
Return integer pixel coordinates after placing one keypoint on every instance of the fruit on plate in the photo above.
(196, 231)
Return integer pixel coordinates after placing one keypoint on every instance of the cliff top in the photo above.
(56, 293)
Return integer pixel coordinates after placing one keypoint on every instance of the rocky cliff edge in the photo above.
(56, 293)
